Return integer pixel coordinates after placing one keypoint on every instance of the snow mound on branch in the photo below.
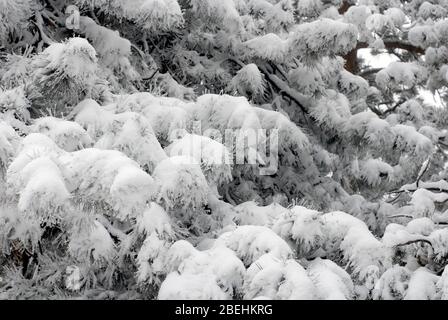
(358, 15)
(132, 134)
(332, 110)
(269, 47)
(33, 146)
(308, 81)
(219, 262)
(220, 11)
(89, 114)
(68, 135)
(150, 259)
(155, 220)
(277, 279)
(441, 28)
(174, 89)
(355, 87)
(128, 132)
(284, 136)
(190, 287)
(157, 15)
(423, 202)
(166, 115)
(400, 74)
(113, 50)
(396, 234)
(438, 239)
(303, 227)
(94, 242)
(223, 112)
(410, 140)
(336, 226)
(248, 81)
(393, 284)
(42, 191)
(14, 104)
(324, 37)
(367, 125)
(422, 285)
(297, 284)
(389, 21)
(213, 157)
(423, 36)
(423, 226)
(330, 280)
(14, 16)
(181, 183)
(263, 277)
(396, 15)
(9, 142)
(374, 170)
(363, 252)
(75, 59)
(428, 10)
(309, 8)
(279, 17)
(64, 74)
(251, 242)
(108, 178)
(442, 285)
(152, 15)
(249, 213)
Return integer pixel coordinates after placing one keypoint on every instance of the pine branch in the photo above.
(414, 241)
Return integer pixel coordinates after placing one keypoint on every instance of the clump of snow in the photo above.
(269, 46)
(303, 227)
(9, 142)
(75, 59)
(89, 114)
(94, 242)
(42, 191)
(181, 183)
(251, 242)
(155, 220)
(14, 18)
(150, 259)
(277, 279)
(68, 135)
(213, 157)
(108, 178)
(190, 287)
(393, 284)
(248, 81)
(249, 213)
(429, 10)
(14, 104)
(324, 37)
(330, 280)
(374, 170)
(362, 251)
(307, 80)
(423, 36)
(132, 134)
(422, 285)
(400, 75)
(309, 8)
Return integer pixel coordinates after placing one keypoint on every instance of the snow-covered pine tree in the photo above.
(117, 180)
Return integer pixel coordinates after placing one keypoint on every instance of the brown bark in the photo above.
(344, 6)
(351, 58)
